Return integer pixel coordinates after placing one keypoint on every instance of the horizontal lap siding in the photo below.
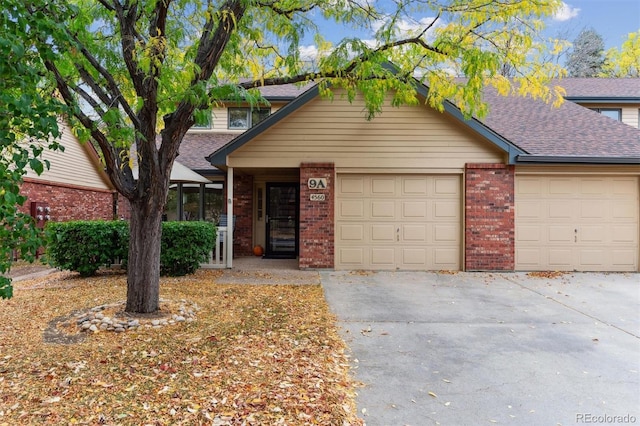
(336, 131)
(73, 166)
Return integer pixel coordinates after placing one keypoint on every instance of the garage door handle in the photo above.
(398, 234)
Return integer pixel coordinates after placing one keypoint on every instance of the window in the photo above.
(615, 113)
(245, 118)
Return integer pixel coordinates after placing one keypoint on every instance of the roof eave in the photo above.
(565, 159)
(604, 99)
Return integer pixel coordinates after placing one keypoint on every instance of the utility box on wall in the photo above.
(41, 212)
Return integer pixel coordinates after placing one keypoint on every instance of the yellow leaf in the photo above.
(433, 394)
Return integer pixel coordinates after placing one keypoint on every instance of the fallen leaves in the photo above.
(254, 355)
(546, 274)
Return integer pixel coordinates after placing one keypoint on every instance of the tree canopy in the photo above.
(142, 71)
(624, 62)
(586, 59)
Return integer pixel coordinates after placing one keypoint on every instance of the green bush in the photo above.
(184, 246)
(85, 246)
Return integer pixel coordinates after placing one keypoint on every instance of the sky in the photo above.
(612, 19)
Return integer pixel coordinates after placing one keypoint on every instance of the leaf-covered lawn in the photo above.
(254, 355)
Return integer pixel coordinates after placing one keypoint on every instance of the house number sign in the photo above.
(316, 197)
(317, 183)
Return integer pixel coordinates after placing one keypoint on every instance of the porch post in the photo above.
(230, 224)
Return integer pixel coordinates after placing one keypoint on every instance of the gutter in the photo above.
(569, 159)
(603, 99)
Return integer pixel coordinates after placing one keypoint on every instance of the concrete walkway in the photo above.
(480, 348)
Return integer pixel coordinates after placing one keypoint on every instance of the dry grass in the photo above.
(255, 355)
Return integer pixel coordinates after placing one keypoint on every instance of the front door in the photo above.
(282, 220)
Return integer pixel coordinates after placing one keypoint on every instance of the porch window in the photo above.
(245, 118)
(193, 201)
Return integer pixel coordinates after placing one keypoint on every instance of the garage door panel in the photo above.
(353, 209)
(593, 211)
(577, 223)
(625, 210)
(447, 186)
(383, 209)
(623, 260)
(592, 234)
(415, 233)
(559, 259)
(382, 257)
(383, 233)
(351, 185)
(353, 232)
(446, 210)
(398, 222)
(414, 257)
(414, 210)
(351, 256)
(414, 186)
(528, 233)
(446, 233)
(383, 186)
(560, 234)
(625, 234)
(560, 186)
(446, 258)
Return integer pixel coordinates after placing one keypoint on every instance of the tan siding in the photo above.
(74, 166)
(220, 120)
(406, 137)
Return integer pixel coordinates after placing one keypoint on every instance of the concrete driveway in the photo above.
(487, 348)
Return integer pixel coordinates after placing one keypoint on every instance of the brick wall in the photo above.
(490, 217)
(68, 202)
(243, 211)
(316, 218)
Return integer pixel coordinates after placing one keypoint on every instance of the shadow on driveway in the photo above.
(489, 348)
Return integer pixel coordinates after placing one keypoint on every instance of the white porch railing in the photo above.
(218, 256)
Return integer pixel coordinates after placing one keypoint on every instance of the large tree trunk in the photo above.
(143, 276)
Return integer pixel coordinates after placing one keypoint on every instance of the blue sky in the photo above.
(612, 19)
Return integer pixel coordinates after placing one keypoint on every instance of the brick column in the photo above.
(316, 217)
(489, 217)
(243, 211)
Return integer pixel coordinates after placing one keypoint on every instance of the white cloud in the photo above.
(565, 13)
(308, 53)
(409, 28)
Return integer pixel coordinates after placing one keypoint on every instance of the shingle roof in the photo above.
(195, 146)
(604, 88)
(570, 130)
(285, 91)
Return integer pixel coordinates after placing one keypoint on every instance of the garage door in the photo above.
(407, 222)
(577, 223)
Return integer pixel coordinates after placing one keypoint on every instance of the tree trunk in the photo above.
(143, 276)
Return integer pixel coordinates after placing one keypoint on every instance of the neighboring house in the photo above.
(529, 187)
(75, 187)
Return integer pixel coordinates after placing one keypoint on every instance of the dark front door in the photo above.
(282, 220)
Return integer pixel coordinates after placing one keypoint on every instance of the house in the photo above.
(529, 187)
(75, 187)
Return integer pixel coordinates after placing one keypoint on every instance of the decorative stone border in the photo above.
(94, 320)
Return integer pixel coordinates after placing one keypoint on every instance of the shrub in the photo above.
(85, 246)
(184, 246)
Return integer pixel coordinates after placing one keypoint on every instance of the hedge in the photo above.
(85, 246)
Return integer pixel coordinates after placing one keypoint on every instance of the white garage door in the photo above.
(576, 223)
(408, 222)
